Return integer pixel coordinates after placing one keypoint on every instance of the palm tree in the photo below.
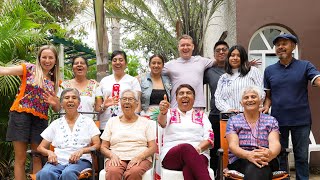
(165, 20)
(102, 40)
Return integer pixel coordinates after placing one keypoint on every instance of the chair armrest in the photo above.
(288, 150)
(220, 165)
(93, 149)
(94, 153)
(285, 151)
(34, 153)
(220, 152)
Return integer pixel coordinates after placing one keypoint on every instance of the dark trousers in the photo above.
(185, 158)
(215, 123)
(253, 172)
(300, 143)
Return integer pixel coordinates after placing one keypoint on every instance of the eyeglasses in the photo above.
(221, 49)
(126, 99)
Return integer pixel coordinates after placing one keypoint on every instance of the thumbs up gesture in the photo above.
(164, 105)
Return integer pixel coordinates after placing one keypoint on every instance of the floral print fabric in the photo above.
(29, 98)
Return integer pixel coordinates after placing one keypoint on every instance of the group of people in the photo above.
(173, 91)
(285, 85)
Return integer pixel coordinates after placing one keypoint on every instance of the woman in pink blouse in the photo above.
(29, 112)
(187, 136)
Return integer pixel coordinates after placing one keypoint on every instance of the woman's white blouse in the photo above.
(66, 141)
(227, 95)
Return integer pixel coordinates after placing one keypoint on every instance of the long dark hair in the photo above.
(244, 62)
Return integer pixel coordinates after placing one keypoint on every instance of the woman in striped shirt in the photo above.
(239, 74)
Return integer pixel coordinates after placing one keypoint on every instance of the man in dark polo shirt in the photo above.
(286, 86)
(211, 77)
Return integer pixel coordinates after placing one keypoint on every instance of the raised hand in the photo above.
(164, 105)
(51, 98)
(264, 110)
(255, 62)
(110, 101)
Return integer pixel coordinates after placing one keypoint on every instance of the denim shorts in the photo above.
(25, 127)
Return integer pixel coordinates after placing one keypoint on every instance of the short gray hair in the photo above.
(70, 90)
(252, 88)
(135, 94)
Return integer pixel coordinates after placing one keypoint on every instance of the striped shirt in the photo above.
(229, 86)
(251, 137)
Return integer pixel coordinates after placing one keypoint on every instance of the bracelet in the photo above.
(164, 114)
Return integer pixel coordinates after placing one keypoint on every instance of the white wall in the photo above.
(224, 19)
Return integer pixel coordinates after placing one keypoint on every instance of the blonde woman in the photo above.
(29, 112)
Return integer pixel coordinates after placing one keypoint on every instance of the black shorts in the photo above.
(25, 127)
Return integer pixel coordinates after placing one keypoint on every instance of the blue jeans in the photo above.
(300, 142)
(62, 172)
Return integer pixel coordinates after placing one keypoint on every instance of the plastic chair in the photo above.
(223, 171)
(167, 174)
(88, 173)
(146, 176)
(313, 146)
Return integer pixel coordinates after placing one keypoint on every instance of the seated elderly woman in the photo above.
(128, 141)
(73, 136)
(187, 135)
(253, 138)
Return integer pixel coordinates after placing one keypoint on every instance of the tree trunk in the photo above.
(115, 33)
(101, 40)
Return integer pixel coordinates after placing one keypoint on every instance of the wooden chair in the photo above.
(88, 173)
(223, 171)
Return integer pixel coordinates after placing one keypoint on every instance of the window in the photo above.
(261, 46)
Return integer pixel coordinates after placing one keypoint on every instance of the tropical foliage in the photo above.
(64, 10)
(158, 23)
(24, 25)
